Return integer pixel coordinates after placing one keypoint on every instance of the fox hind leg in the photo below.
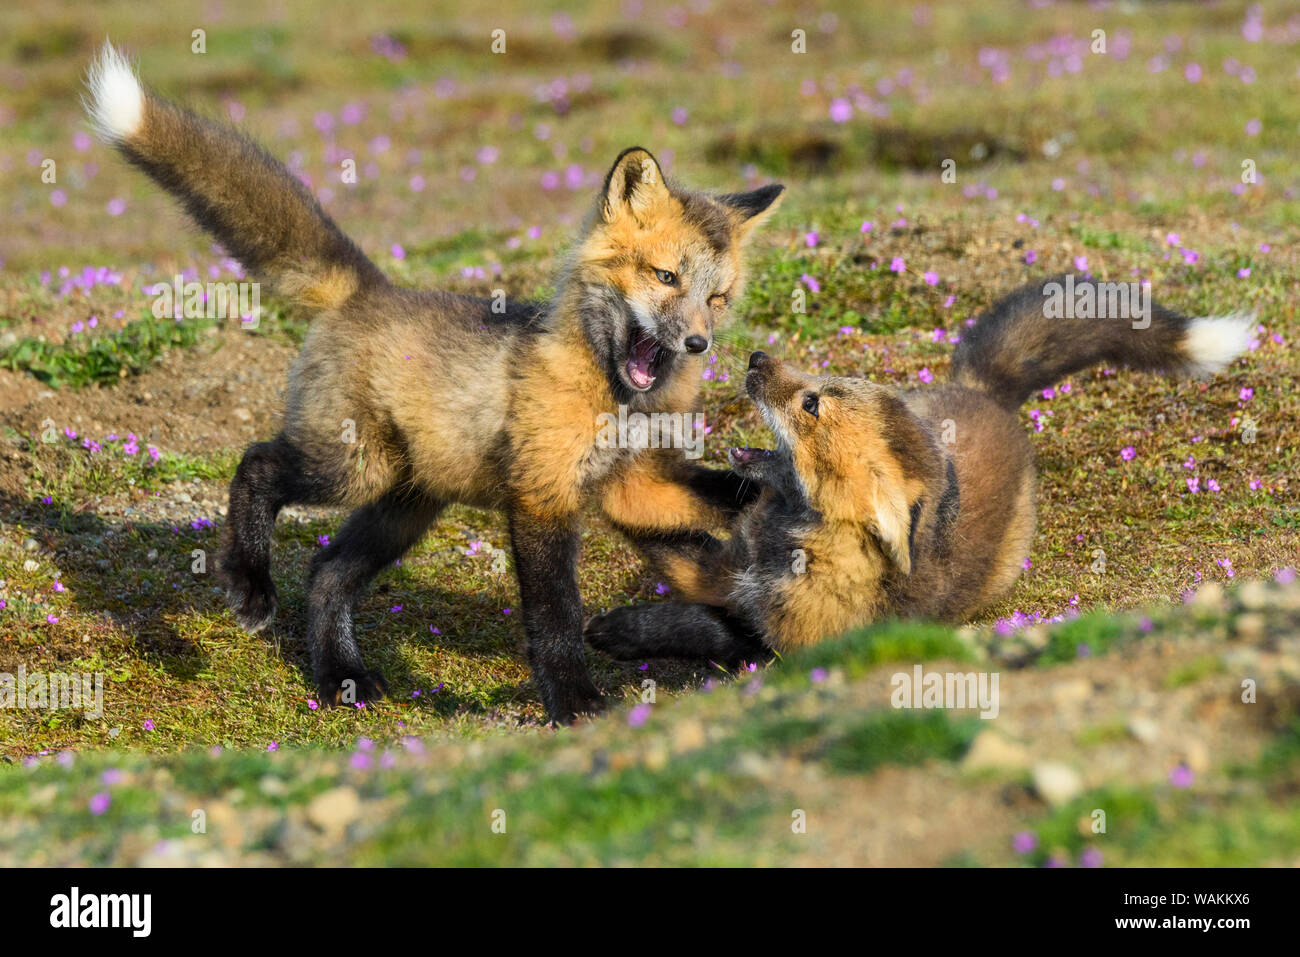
(270, 476)
(676, 630)
(373, 537)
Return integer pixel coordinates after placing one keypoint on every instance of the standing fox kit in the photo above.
(449, 400)
(879, 502)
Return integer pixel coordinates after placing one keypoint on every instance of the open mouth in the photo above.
(748, 456)
(645, 357)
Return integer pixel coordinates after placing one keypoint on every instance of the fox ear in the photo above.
(893, 521)
(634, 184)
(752, 209)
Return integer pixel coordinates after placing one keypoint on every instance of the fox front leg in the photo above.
(722, 489)
(661, 491)
(666, 509)
(546, 562)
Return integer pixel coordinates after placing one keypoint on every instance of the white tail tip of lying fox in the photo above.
(116, 104)
(1211, 343)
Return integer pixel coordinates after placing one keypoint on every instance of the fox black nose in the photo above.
(696, 343)
(757, 358)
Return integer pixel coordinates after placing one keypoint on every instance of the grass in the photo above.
(103, 359)
(1136, 171)
(1239, 823)
(900, 738)
(759, 770)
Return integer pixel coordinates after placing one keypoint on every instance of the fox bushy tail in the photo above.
(259, 211)
(1036, 336)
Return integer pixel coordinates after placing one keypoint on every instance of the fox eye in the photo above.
(810, 404)
(666, 277)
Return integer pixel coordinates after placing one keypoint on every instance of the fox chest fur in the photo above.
(554, 427)
(805, 578)
(802, 576)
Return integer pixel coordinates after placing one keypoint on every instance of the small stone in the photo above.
(242, 414)
(1143, 729)
(568, 761)
(1253, 595)
(333, 810)
(31, 545)
(1209, 596)
(656, 757)
(752, 765)
(1251, 626)
(1036, 637)
(688, 735)
(991, 750)
(1066, 693)
(1056, 783)
(1196, 755)
(295, 839)
(1244, 661)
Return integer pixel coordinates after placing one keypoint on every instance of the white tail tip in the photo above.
(1212, 342)
(116, 103)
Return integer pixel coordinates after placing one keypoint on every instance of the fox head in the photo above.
(658, 267)
(857, 453)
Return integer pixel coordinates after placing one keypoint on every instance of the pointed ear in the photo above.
(635, 184)
(893, 521)
(749, 210)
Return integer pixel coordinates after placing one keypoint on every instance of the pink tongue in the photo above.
(638, 364)
(639, 374)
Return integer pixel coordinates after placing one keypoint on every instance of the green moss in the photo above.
(900, 737)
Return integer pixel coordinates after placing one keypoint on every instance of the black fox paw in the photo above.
(252, 600)
(347, 688)
(564, 705)
(611, 632)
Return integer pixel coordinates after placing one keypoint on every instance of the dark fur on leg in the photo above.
(723, 489)
(270, 476)
(372, 538)
(546, 561)
(676, 630)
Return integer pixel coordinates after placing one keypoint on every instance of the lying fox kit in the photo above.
(445, 399)
(882, 502)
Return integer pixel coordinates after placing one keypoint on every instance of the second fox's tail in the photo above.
(263, 215)
(1042, 332)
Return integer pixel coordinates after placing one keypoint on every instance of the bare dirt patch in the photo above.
(225, 394)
